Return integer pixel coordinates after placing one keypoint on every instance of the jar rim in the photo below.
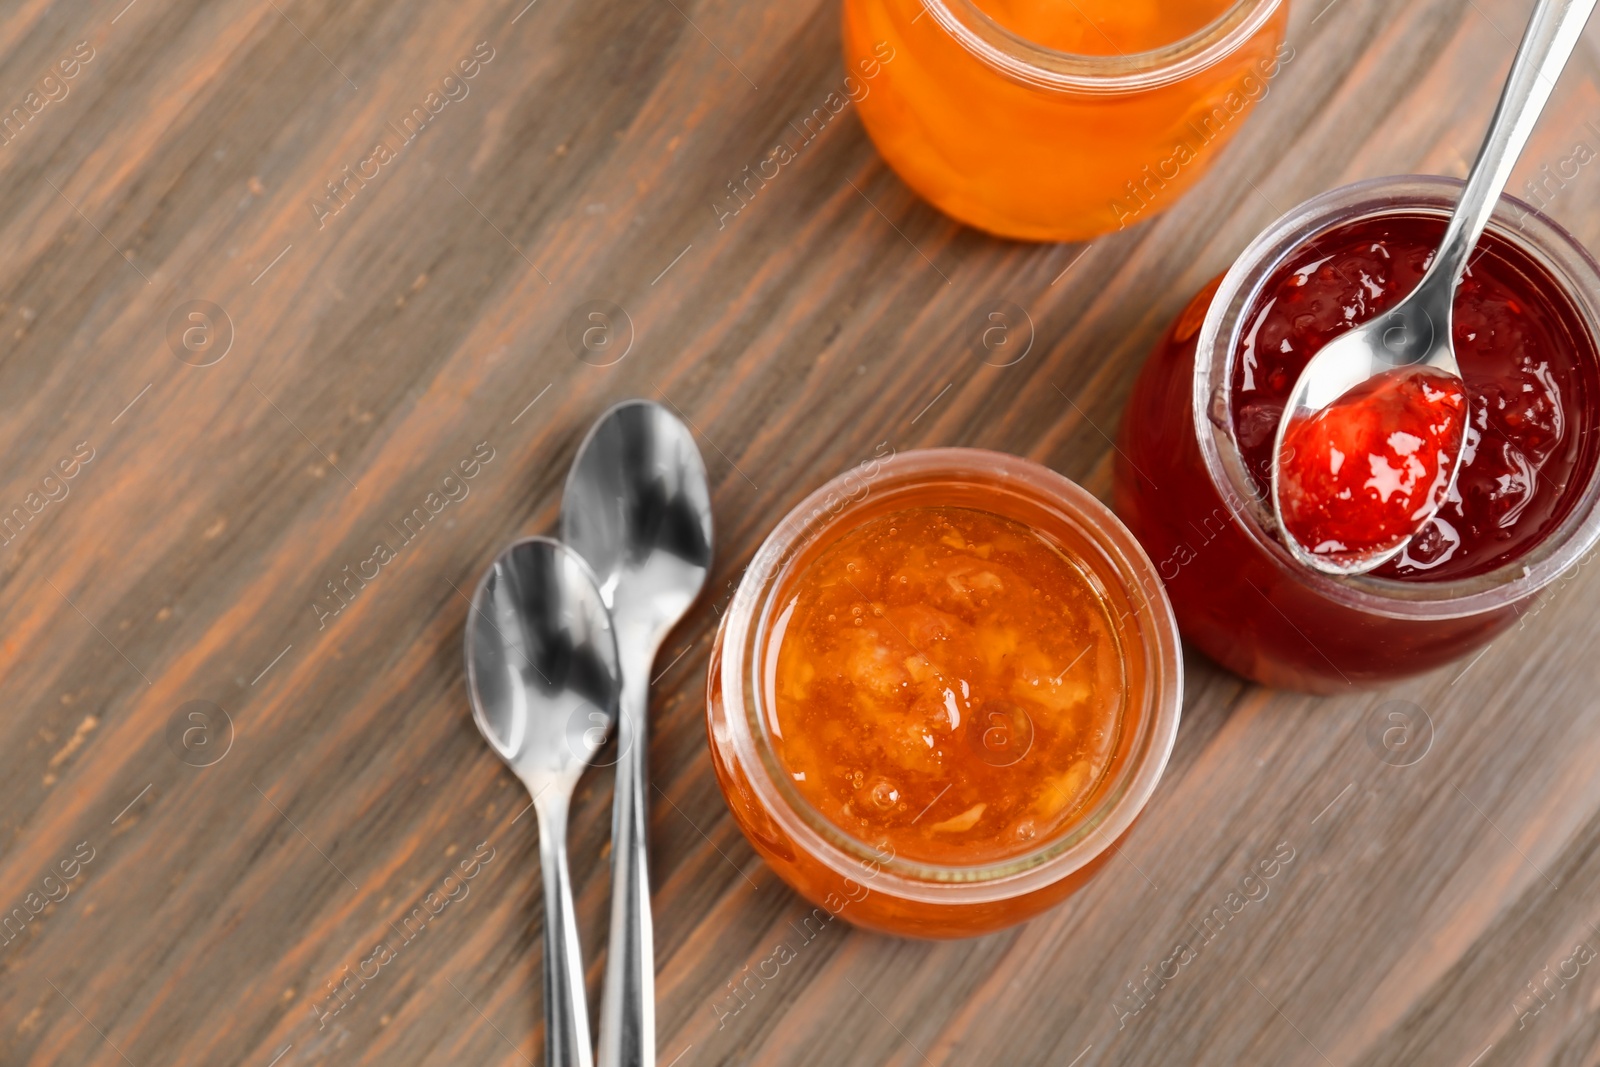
(820, 518)
(1514, 221)
(978, 32)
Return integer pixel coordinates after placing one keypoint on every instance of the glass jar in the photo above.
(1239, 595)
(1027, 142)
(863, 881)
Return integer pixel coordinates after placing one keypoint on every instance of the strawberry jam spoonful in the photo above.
(1372, 434)
(1362, 474)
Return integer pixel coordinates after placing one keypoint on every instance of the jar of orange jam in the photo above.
(946, 685)
(1058, 120)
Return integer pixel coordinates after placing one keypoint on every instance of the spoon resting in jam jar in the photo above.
(1373, 433)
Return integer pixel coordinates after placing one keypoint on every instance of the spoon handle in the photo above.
(628, 1003)
(566, 1009)
(1546, 45)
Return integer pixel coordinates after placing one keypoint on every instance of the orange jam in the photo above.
(948, 685)
(1058, 120)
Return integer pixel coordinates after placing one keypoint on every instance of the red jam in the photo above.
(1523, 351)
(1365, 472)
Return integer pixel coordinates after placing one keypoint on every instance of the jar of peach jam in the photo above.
(1193, 465)
(1058, 120)
(946, 685)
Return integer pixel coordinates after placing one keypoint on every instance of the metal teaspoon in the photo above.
(638, 508)
(544, 679)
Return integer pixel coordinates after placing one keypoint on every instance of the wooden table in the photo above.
(223, 785)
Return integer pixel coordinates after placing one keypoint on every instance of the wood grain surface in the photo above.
(223, 787)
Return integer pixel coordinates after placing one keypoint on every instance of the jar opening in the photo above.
(1031, 63)
(1026, 494)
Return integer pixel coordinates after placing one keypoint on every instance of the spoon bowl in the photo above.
(1413, 336)
(542, 666)
(544, 679)
(637, 507)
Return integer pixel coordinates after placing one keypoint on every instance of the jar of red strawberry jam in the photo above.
(1193, 471)
(947, 684)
